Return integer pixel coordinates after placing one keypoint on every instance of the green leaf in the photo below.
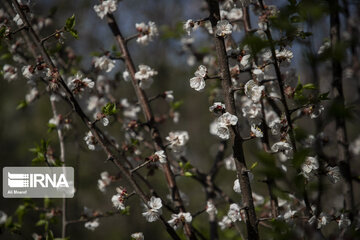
(70, 23)
(188, 174)
(47, 202)
(5, 56)
(8, 222)
(309, 86)
(21, 105)
(253, 165)
(109, 109)
(20, 212)
(51, 127)
(41, 222)
(69, 27)
(50, 236)
(126, 211)
(74, 33)
(176, 105)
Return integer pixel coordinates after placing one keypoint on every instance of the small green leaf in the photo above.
(176, 105)
(21, 105)
(70, 23)
(41, 222)
(188, 174)
(126, 211)
(50, 236)
(51, 127)
(47, 202)
(109, 109)
(253, 165)
(74, 33)
(309, 86)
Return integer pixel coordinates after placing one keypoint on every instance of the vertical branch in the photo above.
(281, 83)
(62, 160)
(238, 152)
(343, 153)
(144, 103)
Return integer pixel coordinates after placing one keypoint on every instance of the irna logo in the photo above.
(18, 180)
(38, 182)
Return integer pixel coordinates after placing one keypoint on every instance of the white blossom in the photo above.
(326, 45)
(179, 219)
(217, 107)
(289, 215)
(107, 6)
(3, 217)
(234, 212)
(211, 209)
(223, 122)
(256, 131)
(153, 209)
(252, 111)
(234, 14)
(105, 121)
(198, 82)
(333, 173)
(316, 111)
(145, 76)
(32, 95)
(189, 26)
(126, 76)
(92, 225)
(283, 147)
(17, 19)
(311, 164)
(9, 72)
(177, 140)
(28, 72)
(254, 91)
(161, 155)
(169, 96)
(147, 32)
(104, 181)
(225, 222)
(223, 28)
(90, 140)
(259, 74)
(78, 84)
(104, 63)
(230, 163)
(129, 111)
(228, 119)
(137, 236)
(322, 220)
(355, 146)
(236, 186)
(284, 55)
(344, 222)
(118, 201)
(245, 62)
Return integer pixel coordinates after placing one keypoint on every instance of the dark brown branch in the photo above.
(237, 140)
(155, 134)
(343, 153)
